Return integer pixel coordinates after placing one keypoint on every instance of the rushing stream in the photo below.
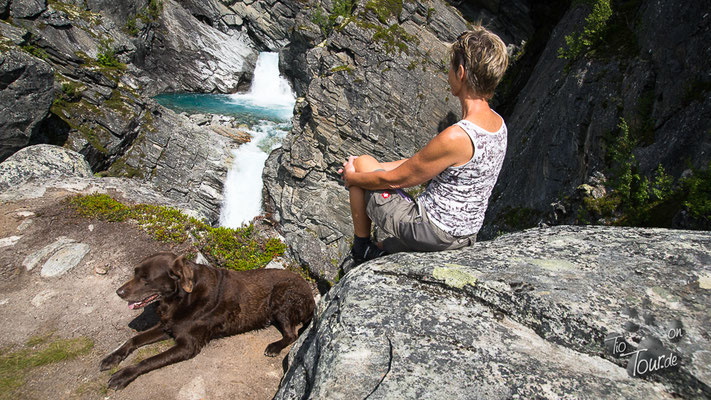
(266, 110)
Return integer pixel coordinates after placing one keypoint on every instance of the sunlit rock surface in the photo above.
(530, 314)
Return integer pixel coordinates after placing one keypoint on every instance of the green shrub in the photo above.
(384, 9)
(696, 191)
(394, 38)
(36, 51)
(237, 249)
(131, 27)
(107, 55)
(154, 8)
(326, 22)
(578, 43)
(637, 200)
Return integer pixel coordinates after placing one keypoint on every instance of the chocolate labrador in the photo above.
(198, 303)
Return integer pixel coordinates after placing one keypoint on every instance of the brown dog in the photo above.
(199, 303)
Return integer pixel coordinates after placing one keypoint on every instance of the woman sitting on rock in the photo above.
(463, 163)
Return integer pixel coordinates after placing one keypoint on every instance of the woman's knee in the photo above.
(366, 163)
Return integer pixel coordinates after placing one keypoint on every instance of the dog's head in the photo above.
(159, 276)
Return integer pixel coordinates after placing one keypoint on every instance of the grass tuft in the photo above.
(38, 351)
(236, 249)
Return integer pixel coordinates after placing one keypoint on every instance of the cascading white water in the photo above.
(243, 186)
(269, 89)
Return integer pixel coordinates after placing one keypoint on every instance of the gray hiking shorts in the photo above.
(409, 227)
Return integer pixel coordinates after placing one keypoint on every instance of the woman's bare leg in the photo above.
(361, 221)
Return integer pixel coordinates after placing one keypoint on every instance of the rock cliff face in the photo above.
(542, 313)
(562, 122)
(375, 84)
(26, 92)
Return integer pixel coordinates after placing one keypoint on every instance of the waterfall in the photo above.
(243, 185)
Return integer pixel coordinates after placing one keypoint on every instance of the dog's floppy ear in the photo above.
(184, 272)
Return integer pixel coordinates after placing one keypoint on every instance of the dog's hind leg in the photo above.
(155, 334)
(285, 306)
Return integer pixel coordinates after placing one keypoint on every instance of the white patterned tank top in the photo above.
(456, 199)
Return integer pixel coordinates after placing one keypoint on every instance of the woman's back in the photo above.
(457, 198)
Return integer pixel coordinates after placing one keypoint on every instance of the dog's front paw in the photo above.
(111, 360)
(122, 378)
(272, 350)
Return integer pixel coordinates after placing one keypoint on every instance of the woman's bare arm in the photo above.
(452, 146)
(391, 165)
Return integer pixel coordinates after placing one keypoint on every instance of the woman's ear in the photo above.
(461, 73)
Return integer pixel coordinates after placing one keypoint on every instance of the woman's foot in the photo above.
(366, 252)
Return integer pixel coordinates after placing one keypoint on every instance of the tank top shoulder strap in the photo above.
(470, 129)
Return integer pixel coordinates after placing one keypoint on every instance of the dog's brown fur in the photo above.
(199, 303)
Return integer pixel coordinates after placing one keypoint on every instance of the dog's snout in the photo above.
(121, 292)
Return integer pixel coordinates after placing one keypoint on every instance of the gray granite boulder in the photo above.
(42, 161)
(26, 93)
(545, 313)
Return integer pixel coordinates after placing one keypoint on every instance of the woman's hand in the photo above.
(348, 168)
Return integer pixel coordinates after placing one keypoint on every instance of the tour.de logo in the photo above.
(650, 356)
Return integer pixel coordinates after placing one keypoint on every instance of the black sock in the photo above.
(359, 243)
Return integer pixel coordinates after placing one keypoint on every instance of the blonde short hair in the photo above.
(484, 58)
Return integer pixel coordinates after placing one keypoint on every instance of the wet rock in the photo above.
(42, 161)
(186, 162)
(525, 315)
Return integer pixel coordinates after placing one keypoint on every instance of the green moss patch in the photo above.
(75, 12)
(328, 21)
(454, 276)
(236, 249)
(38, 351)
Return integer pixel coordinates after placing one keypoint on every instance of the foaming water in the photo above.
(269, 90)
(267, 109)
(243, 186)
